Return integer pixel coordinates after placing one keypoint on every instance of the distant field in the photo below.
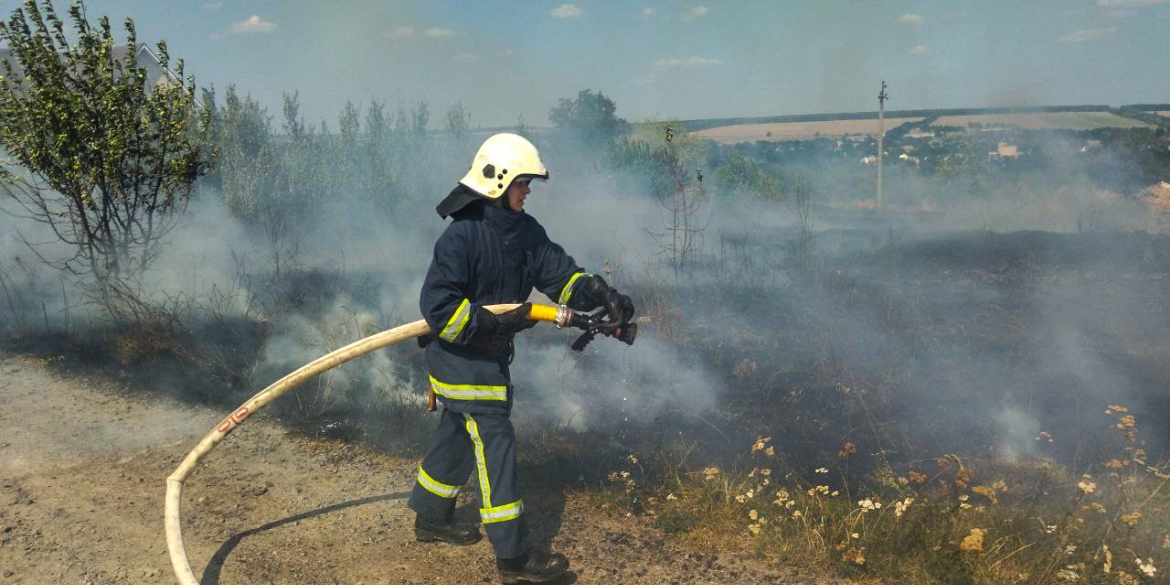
(1046, 120)
(1164, 113)
(796, 130)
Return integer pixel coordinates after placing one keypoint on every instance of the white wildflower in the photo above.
(1146, 567)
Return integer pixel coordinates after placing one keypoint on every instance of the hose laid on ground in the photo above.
(174, 524)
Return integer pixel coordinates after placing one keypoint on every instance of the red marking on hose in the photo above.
(232, 421)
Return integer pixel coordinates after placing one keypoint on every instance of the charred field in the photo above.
(888, 403)
(959, 407)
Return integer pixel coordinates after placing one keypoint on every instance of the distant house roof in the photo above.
(146, 58)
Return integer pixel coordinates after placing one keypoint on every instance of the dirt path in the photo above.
(82, 478)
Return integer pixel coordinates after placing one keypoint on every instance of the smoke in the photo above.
(610, 386)
(34, 296)
(978, 310)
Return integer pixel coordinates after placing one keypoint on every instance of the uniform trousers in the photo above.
(485, 444)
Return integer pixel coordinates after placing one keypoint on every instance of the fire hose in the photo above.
(562, 316)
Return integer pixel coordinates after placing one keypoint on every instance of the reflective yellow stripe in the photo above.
(485, 487)
(567, 292)
(436, 487)
(502, 513)
(457, 322)
(469, 391)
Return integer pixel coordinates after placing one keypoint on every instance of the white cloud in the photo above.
(566, 11)
(466, 57)
(438, 33)
(1089, 34)
(402, 31)
(920, 50)
(648, 12)
(1127, 3)
(254, 25)
(687, 62)
(213, 6)
(911, 19)
(699, 11)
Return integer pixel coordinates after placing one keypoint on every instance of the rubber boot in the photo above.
(460, 533)
(535, 566)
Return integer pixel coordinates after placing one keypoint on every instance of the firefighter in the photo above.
(491, 253)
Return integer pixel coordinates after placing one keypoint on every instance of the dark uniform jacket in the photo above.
(487, 256)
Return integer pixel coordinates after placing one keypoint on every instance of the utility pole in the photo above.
(882, 97)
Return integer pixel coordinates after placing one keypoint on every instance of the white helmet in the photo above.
(501, 159)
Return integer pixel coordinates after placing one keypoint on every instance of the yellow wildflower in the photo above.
(986, 492)
(900, 507)
(1131, 519)
(1086, 485)
(973, 542)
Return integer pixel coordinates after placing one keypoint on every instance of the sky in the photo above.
(504, 61)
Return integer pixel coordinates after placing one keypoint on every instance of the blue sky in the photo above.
(665, 59)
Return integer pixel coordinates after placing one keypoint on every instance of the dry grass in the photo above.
(949, 519)
(1046, 121)
(796, 130)
(1164, 113)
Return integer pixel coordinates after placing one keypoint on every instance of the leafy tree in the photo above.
(668, 160)
(380, 168)
(102, 157)
(589, 118)
(458, 122)
(242, 134)
(740, 174)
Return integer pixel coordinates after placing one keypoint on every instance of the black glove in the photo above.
(494, 332)
(619, 307)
